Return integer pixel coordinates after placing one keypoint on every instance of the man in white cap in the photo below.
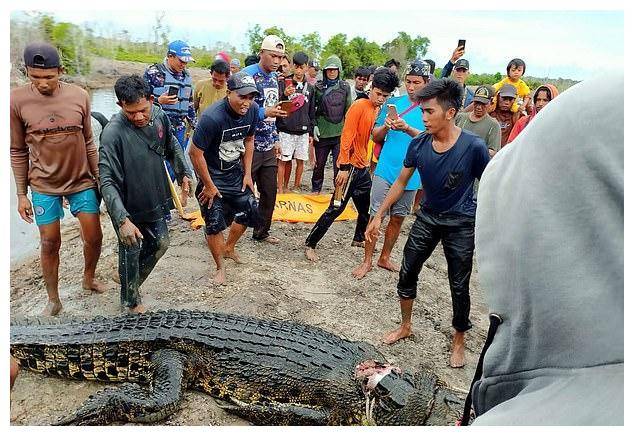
(267, 148)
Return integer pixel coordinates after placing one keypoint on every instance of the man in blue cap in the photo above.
(171, 85)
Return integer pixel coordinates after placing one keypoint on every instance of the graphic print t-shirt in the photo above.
(220, 134)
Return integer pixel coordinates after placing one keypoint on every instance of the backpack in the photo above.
(333, 103)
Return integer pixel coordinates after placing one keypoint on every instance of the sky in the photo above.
(568, 44)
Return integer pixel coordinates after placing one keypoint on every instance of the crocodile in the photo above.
(268, 372)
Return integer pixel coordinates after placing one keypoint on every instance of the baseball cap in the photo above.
(181, 50)
(484, 94)
(235, 62)
(41, 55)
(508, 90)
(418, 68)
(461, 63)
(242, 83)
(223, 56)
(273, 43)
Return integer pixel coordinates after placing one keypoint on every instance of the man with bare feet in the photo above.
(134, 183)
(353, 178)
(222, 156)
(53, 153)
(395, 131)
(448, 160)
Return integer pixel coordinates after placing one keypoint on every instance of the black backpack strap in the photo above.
(99, 117)
(494, 322)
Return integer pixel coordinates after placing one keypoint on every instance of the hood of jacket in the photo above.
(330, 61)
(549, 249)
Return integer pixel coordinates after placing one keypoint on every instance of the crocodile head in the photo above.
(397, 398)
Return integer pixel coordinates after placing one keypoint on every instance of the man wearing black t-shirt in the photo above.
(448, 160)
(222, 156)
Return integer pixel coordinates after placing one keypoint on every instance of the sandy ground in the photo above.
(275, 282)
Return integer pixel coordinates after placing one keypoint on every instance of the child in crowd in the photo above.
(514, 71)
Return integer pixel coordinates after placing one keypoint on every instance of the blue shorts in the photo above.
(49, 208)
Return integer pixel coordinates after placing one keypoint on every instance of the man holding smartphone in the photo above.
(458, 69)
(171, 85)
(353, 163)
(400, 120)
(296, 131)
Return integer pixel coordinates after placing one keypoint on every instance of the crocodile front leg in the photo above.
(131, 402)
(276, 413)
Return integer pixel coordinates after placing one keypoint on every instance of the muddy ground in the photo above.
(275, 282)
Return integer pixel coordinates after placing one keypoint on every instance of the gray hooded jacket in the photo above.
(549, 245)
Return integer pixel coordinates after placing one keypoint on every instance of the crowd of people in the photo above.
(230, 140)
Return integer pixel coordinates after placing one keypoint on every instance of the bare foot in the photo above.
(358, 244)
(402, 332)
(52, 308)
(15, 370)
(95, 285)
(271, 240)
(114, 275)
(220, 276)
(456, 360)
(311, 254)
(360, 271)
(388, 265)
(231, 254)
(139, 308)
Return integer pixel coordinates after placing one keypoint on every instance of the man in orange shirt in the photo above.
(353, 177)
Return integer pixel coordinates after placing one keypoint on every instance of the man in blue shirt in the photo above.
(222, 155)
(267, 147)
(448, 160)
(395, 133)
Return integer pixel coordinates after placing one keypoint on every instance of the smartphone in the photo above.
(462, 43)
(288, 82)
(173, 90)
(287, 105)
(391, 112)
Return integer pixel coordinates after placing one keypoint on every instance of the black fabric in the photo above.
(264, 175)
(494, 322)
(331, 102)
(323, 148)
(137, 262)
(220, 131)
(359, 187)
(301, 120)
(132, 174)
(457, 235)
(233, 205)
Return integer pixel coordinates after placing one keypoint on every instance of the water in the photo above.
(24, 236)
(104, 101)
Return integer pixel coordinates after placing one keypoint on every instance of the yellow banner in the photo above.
(304, 208)
(296, 208)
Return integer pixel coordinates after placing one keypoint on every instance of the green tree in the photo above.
(311, 44)
(338, 45)
(369, 53)
(403, 48)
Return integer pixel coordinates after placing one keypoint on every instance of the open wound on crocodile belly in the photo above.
(371, 372)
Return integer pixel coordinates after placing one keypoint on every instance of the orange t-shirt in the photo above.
(356, 134)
